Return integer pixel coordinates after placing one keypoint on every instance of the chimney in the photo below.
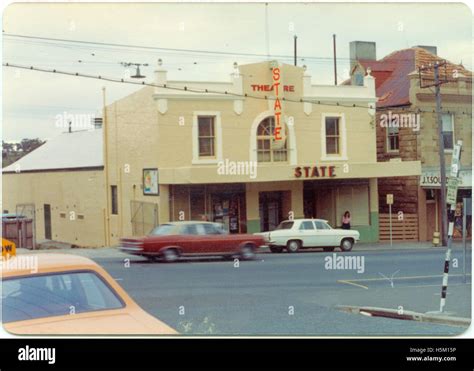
(160, 74)
(97, 122)
(362, 50)
(428, 48)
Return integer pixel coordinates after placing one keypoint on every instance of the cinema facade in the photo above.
(266, 146)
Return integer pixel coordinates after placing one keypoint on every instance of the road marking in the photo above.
(403, 278)
(353, 284)
(354, 281)
(437, 285)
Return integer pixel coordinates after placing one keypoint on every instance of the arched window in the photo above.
(265, 135)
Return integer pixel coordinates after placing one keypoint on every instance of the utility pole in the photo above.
(451, 200)
(334, 52)
(267, 33)
(295, 42)
(106, 169)
(442, 165)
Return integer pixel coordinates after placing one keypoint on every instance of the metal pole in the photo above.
(464, 232)
(454, 174)
(106, 166)
(334, 52)
(390, 218)
(444, 289)
(442, 165)
(267, 36)
(295, 38)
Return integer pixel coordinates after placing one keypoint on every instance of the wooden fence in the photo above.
(403, 229)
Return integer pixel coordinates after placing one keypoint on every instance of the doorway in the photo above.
(270, 208)
(47, 222)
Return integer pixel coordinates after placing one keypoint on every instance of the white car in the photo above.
(293, 235)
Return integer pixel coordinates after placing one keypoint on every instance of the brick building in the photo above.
(400, 99)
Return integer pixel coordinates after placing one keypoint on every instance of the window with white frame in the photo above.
(206, 136)
(265, 137)
(447, 127)
(333, 137)
(393, 139)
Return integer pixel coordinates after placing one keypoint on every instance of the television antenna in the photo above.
(137, 75)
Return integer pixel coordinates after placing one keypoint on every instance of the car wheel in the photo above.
(247, 252)
(346, 244)
(170, 255)
(328, 248)
(276, 249)
(293, 246)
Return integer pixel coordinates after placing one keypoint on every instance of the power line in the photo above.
(195, 51)
(209, 91)
(185, 88)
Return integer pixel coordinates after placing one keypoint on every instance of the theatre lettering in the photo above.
(315, 171)
(260, 87)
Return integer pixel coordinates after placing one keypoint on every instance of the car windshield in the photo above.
(60, 294)
(285, 225)
(164, 230)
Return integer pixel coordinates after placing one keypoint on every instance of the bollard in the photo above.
(436, 236)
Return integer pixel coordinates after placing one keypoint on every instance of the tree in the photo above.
(12, 152)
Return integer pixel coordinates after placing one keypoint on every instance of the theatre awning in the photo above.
(241, 172)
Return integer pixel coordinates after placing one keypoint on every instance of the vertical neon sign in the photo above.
(277, 106)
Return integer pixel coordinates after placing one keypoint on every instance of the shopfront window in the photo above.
(206, 132)
(448, 131)
(265, 134)
(332, 136)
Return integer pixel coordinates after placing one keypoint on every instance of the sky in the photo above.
(34, 103)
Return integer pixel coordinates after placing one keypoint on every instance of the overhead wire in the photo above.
(201, 91)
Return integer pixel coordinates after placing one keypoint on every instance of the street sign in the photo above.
(451, 194)
(457, 150)
(455, 164)
(8, 248)
(389, 199)
(454, 168)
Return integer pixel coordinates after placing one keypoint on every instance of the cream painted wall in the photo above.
(140, 136)
(132, 131)
(175, 141)
(73, 193)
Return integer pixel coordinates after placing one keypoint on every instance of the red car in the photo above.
(171, 240)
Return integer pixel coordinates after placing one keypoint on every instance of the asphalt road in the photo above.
(295, 294)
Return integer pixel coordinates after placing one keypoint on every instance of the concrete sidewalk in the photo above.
(112, 252)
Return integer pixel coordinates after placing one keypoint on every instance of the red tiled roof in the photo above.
(391, 74)
(394, 89)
